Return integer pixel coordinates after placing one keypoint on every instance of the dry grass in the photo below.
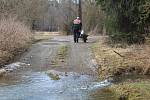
(133, 59)
(130, 60)
(40, 36)
(14, 36)
(5, 56)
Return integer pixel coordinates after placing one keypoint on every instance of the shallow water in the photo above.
(40, 86)
(30, 80)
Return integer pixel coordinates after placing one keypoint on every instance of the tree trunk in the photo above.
(80, 10)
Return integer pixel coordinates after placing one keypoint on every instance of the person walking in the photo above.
(77, 26)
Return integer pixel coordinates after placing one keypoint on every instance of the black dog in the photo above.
(84, 37)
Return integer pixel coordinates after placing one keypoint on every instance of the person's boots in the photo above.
(77, 40)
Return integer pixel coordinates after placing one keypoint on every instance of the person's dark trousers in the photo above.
(79, 34)
(76, 36)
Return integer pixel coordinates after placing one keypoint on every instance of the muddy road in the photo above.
(56, 69)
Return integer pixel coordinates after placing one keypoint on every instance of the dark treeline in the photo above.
(127, 20)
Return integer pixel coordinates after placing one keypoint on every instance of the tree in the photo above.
(80, 9)
(126, 19)
(93, 17)
(24, 10)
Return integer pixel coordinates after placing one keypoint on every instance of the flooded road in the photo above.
(39, 86)
(41, 75)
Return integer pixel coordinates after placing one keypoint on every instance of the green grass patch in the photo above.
(54, 77)
(60, 57)
(132, 90)
(62, 53)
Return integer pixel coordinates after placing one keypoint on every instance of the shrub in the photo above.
(66, 28)
(129, 38)
(13, 35)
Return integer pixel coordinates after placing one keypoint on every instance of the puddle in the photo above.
(60, 40)
(50, 43)
(40, 86)
(15, 66)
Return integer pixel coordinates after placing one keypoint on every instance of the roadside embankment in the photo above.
(119, 60)
(15, 37)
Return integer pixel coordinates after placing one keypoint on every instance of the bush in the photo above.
(13, 35)
(129, 38)
(66, 29)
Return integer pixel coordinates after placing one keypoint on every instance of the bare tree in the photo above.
(25, 10)
(80, 9)
(93, 16)
(54, 15)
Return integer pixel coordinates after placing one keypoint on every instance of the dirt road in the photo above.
(56, 69)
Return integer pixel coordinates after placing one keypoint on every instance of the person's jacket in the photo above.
(77, 25)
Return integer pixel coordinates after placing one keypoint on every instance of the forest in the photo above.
(36, 40)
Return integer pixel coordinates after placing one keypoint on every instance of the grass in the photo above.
(132, 90)
(5, 57)
(15, 37)
(54, 77)
(39, 36)
(118, 60)
(62, 52)
(60, 57)
(115, 61)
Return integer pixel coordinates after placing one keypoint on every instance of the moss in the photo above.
(132, 91)
(103, 94)
(54, 77)
(63, 50)
(62, 53)
(60, 57)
